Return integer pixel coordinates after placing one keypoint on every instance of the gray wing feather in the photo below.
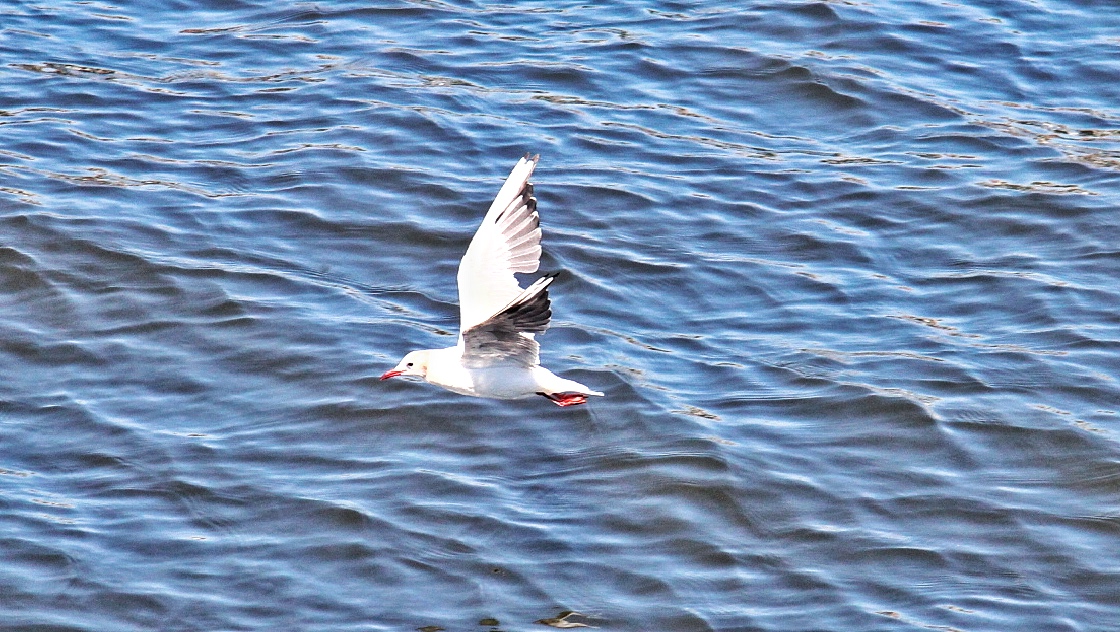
(507, 337)
(520, 225)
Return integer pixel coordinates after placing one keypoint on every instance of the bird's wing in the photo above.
(508, 241)
(506, 338)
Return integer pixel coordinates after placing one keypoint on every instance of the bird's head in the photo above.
(415, 363)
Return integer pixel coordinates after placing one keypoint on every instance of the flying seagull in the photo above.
(497, 355)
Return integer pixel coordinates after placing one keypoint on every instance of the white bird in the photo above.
(497, 355)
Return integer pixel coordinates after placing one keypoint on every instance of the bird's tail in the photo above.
(554, 384)
(569, 386)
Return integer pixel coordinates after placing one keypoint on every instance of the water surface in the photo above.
(846, 272)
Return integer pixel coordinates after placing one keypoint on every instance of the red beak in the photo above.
(389, 374)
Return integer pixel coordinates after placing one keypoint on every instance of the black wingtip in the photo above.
(532, 311)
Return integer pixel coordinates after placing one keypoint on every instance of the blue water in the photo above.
(847, 273)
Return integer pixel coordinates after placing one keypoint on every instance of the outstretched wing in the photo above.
(507, 337)
(508, 241)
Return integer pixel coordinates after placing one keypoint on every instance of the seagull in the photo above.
(497, 355)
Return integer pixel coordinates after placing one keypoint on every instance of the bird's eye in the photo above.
(409, 365)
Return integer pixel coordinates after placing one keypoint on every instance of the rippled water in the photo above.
(846, 272)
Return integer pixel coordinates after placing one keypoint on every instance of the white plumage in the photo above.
(497, 354)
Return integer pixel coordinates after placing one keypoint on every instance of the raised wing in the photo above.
(507, 337)
(508, 241)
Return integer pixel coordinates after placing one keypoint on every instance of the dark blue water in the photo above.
(847, 273)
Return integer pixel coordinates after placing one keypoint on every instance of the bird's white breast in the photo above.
(446, 370)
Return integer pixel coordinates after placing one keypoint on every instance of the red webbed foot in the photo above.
(565, 399)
